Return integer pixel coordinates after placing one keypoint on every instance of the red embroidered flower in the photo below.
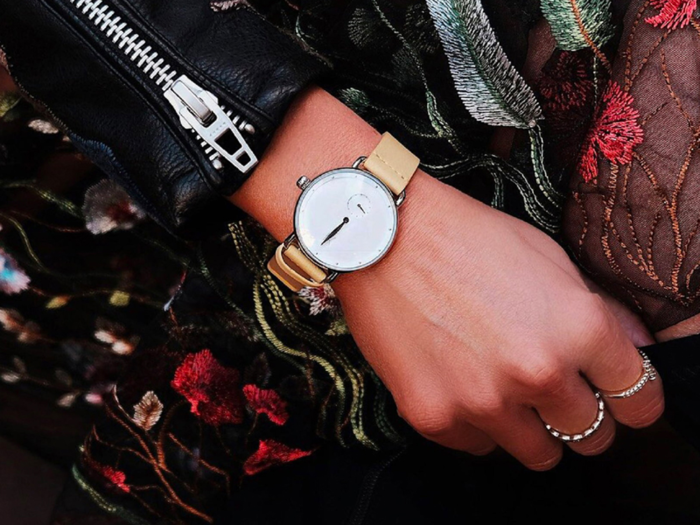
(267, 402)
(109, 475)
(212, 389)
(566, 83)
(672, 13)
(614, 132)
(271, 453)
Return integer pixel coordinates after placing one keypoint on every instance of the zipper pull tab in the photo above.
(199, 111)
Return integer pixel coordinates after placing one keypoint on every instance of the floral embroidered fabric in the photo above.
(633, 212)
(237, 376)
(77, 283)
(241, 379)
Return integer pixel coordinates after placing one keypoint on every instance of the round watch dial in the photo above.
(345, 220)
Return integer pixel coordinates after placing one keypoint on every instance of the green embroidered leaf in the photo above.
(8, 100)
(119, 299)
(545, 185)
(490, 87)
(578, 23)
(338, 327)
(57, 302)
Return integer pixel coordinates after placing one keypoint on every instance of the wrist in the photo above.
(422, 221)
(319, 133)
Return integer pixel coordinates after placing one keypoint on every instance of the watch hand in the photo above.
(336, 230)
(361, 209)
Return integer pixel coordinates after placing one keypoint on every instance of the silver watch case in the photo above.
(304, 183)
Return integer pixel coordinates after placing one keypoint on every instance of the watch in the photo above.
(345, 219)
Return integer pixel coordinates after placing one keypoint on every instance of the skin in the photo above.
(478, 323)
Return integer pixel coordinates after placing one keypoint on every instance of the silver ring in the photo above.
(575, 438)
(648, 374)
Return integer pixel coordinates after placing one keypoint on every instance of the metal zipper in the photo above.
(219, 131)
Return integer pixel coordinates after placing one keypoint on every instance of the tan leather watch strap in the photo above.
(392, 163)
(294, 269)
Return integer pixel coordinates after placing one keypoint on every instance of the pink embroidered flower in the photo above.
(114, 335)
(267, 402)
(614, 132)
(672, 13)
(44, 126)
(271, 453)
(108, 207)
(566, 83)
(26, 331)
(12, 278)
(225, 5)
(212, 389)
(98, 393)
(321, 299)
(109, 475)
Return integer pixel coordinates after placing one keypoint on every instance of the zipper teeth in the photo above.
(136, 49)
(131, 44)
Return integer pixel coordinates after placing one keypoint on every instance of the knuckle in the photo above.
(543, 375)
(483, 450)
(596, 323)
(598, 446)
(546, 461)
(646, 414)
(487, 406)
(431, 421)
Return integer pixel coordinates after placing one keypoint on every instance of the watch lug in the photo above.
(303, 182)
(290, 239)
(358, 162)
(400, 198)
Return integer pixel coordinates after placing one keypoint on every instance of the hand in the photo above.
(481, 328)
(474, 318)
(336, 230)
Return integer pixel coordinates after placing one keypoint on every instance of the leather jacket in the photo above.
(108, 73)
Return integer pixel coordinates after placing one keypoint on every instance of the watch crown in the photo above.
(303, 182)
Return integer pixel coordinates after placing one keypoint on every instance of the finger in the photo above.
(445, 428)
(642, 408)
(572, 410)
(599, 441)
(612, 363)
(521, 433)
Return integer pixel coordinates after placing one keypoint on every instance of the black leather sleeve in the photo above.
(80, 61)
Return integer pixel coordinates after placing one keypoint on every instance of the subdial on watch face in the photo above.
(359, 205)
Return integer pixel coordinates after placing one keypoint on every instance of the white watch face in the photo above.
(345, 220)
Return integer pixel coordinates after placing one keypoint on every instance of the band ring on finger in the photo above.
(648, 374)
(575, 438)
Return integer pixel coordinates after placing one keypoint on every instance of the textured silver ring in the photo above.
(575, 438)
(648, 374)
